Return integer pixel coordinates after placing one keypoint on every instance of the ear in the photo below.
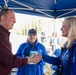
(2, 18)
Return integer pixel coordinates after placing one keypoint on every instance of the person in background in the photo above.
(24, 50)
(7, 59)
(66, 62)
(42, 37)
(54, 41)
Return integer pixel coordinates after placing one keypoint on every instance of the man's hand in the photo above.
(35, 59)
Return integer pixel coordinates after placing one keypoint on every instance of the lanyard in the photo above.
(64, 54)
(60, 68)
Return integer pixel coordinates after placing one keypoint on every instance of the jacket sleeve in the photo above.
(6, 56)
(51, 59)
(73, 62)
(43, 52)
(19, 51)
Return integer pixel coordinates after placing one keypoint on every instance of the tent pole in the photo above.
(67, 9)
(54, 47)
(23, 4)
(43, 13)
(66, 13)
(6, 4)
(55, 2)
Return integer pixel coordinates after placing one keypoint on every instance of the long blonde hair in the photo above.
(72, 31)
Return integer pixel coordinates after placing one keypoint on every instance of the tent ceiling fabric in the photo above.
(46, 8)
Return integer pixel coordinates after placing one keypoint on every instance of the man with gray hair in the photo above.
(7, 59)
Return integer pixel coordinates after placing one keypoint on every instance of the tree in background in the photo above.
(40, 24)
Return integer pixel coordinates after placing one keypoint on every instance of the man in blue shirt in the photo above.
(24, 50)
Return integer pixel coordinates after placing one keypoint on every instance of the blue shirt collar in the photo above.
(28, 44)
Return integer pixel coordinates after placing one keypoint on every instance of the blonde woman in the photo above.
(66, 62)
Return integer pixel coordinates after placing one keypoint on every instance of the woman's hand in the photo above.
(35, 59)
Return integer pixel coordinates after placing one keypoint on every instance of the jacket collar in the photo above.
(28, 44)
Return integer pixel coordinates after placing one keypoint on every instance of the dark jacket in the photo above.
(7, 59)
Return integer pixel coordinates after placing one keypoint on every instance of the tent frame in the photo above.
(42, 11)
